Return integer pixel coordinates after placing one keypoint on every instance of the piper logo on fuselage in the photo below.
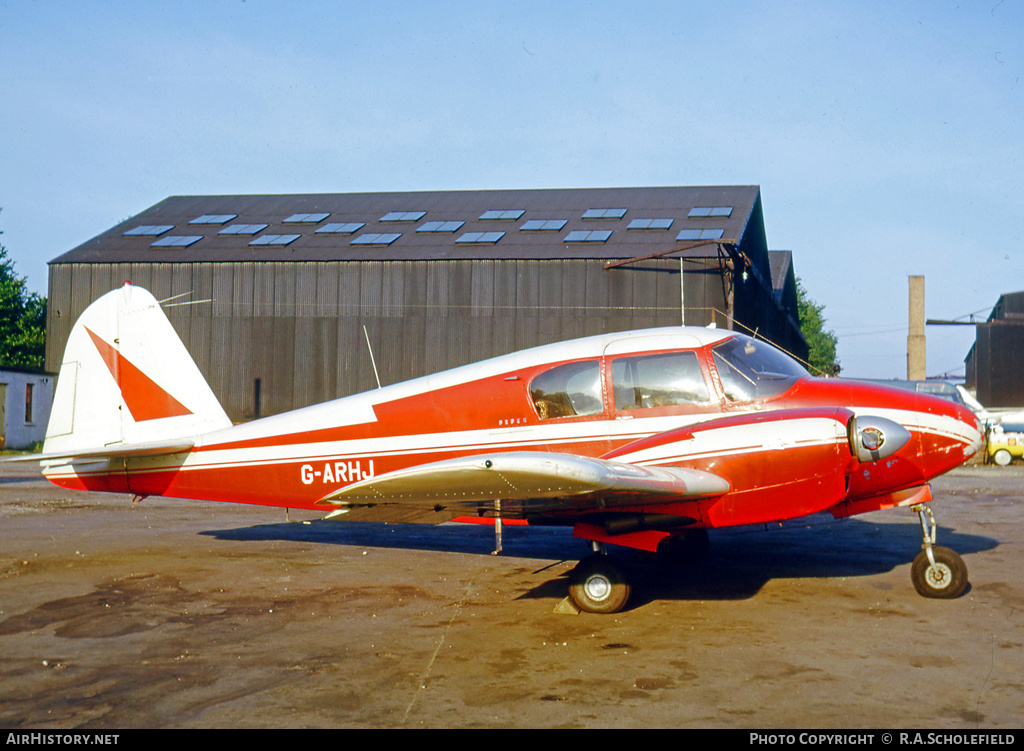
(341, 471)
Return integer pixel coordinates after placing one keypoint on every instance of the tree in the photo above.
(22, 320)
(822, 342)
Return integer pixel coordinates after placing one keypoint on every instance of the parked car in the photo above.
(1006, 442)
(942, 389)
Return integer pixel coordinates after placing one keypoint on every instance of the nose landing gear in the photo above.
(937, 572)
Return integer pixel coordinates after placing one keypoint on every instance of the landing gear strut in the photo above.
(936, 572)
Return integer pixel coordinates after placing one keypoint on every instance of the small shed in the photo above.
(25, 400)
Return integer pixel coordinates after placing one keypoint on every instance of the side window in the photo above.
(658, 381)
(568, 390)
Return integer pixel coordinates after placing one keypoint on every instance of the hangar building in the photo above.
(282, 299)
(995, 363)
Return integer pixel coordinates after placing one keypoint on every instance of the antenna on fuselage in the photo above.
(372, 361)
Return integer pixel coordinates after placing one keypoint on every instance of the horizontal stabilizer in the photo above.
(116, 451)
(535, 480)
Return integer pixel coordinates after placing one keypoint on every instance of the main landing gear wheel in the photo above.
(944, 579)
(937, 572)
(598, 585)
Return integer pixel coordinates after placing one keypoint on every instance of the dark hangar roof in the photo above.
(600, 223)
(1009, 307)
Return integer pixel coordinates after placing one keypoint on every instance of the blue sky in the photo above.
(887, 137)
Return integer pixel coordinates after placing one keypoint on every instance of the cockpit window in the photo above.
(568, 390)
(658, 381)
(751, 369)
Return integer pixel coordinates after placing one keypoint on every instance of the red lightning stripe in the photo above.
(145, 399)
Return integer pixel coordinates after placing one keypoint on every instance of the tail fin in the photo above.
(127, 380)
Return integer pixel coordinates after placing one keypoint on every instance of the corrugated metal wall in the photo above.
(298, 327)
(998, 360)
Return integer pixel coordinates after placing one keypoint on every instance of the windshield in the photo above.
(752, 369)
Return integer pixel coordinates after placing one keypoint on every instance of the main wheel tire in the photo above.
(1002, 457)
(946, 580)
(598, 585)
(684, 548)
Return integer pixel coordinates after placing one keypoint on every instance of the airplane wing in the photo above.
(527, 481)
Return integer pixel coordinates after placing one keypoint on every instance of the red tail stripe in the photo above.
(144, 398)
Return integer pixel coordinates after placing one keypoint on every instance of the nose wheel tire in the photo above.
(944, 579)
(598, 585)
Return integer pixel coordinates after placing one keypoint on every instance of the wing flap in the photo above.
(534, 480)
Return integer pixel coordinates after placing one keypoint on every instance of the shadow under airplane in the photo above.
(739, 563)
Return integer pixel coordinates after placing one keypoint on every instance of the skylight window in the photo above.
(507, 215)
(700, 234)
(403, 216)
(340, 228)
(243, 229)
(372, 238)
(481, 237)
(699, 212)
(176, 241)
(306, 218)
(604, 213)
(150, 229)
(275, 239)
(585, 236)
(453, 226)
(543, 225)
(650, 224)
(214, 219)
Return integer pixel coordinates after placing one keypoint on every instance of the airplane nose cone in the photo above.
(957, 438)
(973, 433)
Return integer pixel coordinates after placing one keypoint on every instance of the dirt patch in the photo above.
(188, 614)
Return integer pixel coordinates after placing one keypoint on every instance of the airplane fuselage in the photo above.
(598, 397)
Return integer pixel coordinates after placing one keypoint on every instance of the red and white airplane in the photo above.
(642, 439)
